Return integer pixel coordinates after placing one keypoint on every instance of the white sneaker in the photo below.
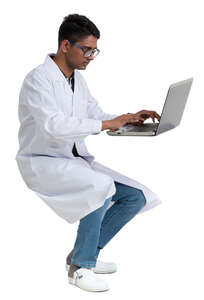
(87, 280)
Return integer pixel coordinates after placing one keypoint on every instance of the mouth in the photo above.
(86, 63)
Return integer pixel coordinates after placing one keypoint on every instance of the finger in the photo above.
(157, 115)
(154, 114)
(140, 122)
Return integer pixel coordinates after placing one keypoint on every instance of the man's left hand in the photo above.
(146, 114)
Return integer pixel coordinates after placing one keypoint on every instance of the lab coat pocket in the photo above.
(52, 174)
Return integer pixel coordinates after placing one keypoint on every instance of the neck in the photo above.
(60, 61)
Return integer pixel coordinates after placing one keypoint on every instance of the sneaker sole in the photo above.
(71, 281)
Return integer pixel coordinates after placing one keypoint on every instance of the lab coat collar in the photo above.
(53, 68)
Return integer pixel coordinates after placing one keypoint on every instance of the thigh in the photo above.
(125, 193)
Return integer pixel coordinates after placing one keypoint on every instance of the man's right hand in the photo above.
(116, 123)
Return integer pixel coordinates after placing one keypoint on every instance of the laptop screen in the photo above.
(174, 105)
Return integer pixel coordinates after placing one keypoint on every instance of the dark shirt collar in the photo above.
(72, 75)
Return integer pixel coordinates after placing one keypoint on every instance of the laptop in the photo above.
(171, 114)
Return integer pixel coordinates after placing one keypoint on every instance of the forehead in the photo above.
(89, 42)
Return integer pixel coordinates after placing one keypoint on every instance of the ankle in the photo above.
(72, 269)
(69, 257)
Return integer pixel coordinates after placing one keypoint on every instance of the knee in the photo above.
(141, 198)
(138, 198)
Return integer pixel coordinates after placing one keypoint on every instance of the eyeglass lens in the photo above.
(89, 53)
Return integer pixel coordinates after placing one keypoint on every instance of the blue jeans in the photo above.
(96, 229)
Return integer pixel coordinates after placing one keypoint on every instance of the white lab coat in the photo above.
(52, 118)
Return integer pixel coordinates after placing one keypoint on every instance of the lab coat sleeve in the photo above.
(39, 98)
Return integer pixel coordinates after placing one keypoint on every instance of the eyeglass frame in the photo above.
(82, 48)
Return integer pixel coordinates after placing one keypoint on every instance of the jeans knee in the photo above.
(136, 198)
(141, 198)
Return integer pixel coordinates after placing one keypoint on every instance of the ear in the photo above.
(65, 46)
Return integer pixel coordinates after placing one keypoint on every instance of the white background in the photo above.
(145, 46)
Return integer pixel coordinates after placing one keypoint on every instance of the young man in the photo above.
(56, 113)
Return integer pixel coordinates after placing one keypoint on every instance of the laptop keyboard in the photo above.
(140, 128)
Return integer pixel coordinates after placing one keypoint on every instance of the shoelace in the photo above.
(79, 276)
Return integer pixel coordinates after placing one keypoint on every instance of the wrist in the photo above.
(105, 125)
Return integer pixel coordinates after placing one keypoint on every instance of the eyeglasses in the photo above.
(87, 53)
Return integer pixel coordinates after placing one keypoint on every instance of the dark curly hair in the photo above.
(76, 27)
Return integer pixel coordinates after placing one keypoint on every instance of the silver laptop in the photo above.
(171, 114)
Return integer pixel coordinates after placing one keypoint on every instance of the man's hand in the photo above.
(135, 119)
(116, 123)
(146, 114)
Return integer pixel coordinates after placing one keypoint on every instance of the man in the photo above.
(57, 112)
